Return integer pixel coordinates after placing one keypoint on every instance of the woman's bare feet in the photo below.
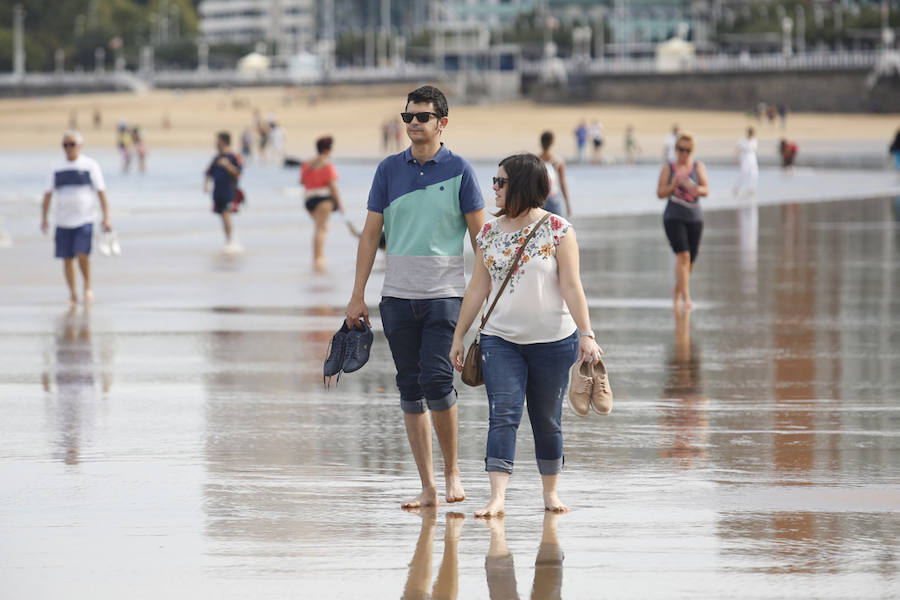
(88, 296)
(455, 491)
(553, 503)
(428, 497)
(495, 508)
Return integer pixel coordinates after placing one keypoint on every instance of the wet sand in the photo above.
(175, 440)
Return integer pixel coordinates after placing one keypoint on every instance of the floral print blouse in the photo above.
(532, 309)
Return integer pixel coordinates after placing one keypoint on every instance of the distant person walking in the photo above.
(581, 135)
(682, 183)
(277, 139)
(74, 183)
(137, 139)
(224, 172)
(596, 133)
(247, 144)
(123, 143)
(319, 177)
(748, 165)
(426, 199)
(556, 171)
(669, 154)
(787, 150)
(895, 150)
(538, 329)
(632, 148)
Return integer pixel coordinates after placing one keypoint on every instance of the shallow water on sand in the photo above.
(175, 440)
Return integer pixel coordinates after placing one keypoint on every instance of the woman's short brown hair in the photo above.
(528, 184)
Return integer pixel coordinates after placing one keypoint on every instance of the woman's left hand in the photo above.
(589, 350)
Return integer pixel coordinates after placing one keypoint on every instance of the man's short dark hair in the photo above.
(323, 144)
(429, 93)
(224, 137)
(528, 185)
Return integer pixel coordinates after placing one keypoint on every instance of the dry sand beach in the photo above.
(353, 115)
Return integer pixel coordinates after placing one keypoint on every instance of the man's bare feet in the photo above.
(554, 504)
(428, 497)
(494, 508)
(73, 300)
(455, 491)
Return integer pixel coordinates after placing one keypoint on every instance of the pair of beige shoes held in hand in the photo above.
(589, 388)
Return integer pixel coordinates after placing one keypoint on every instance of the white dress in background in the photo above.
(748, 175)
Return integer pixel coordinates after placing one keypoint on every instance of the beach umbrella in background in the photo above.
(253, 63)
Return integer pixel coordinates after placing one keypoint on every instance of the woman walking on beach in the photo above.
(748, 176)
(319, 177)
(683, 182)
(537, 330)
(556, 171)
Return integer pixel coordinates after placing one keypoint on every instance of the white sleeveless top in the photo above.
(553, 176)
(532, 309)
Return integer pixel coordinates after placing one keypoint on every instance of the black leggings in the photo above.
(684, 236)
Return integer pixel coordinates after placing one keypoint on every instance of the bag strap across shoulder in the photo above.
(512, 268)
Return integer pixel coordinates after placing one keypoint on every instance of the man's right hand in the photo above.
(45, 226)
(356, 310)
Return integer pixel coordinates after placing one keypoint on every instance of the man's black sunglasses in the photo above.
(69, 144)
(421, 117)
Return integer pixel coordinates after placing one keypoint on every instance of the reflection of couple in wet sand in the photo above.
(498, 563)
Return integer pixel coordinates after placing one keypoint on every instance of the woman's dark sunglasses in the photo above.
(683, 149)
(421, 117)
(69, 144)
(500, 182)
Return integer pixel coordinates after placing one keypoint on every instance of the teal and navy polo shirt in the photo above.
(424, 222)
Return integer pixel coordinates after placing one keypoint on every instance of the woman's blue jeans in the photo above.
(514, 373)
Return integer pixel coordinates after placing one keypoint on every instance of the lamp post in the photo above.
(19, 41)
(787, 26)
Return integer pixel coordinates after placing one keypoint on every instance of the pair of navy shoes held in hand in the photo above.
(348, 351)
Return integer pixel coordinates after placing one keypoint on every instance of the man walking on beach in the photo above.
(224, 171)
(74, 183)
(425, 198)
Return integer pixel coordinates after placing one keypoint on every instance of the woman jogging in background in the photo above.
(683, 183)
(319, 177)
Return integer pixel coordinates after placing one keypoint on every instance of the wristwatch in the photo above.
(589, 333)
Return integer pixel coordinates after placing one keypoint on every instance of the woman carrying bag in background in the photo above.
(537, 330)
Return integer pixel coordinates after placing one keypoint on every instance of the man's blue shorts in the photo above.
(76, 240)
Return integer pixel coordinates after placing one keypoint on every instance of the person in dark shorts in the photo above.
(75, 183)
(319, 177)
(224, 171)
(682, 183)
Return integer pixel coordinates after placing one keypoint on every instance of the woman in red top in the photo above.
(319, 177)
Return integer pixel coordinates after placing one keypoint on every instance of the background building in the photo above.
(286, 26)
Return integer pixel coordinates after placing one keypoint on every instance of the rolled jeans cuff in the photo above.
(422, 404)
(444, 402)
(413, 407)
(498, 464)
(550, 466)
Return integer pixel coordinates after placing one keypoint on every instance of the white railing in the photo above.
(719, 63)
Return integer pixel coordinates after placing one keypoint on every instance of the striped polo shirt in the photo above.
(424, 207)
(75, 184)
